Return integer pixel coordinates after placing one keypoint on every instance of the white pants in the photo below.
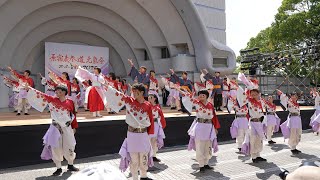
(66, 147)
(240, 137)
(203, 152)
(295, 137)
(139, 162)
(23, 104)
(256, 145)
(270, 130)
(154, 145)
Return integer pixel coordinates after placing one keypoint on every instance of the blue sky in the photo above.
(245, 19)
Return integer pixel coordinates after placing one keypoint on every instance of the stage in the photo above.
(21, 136)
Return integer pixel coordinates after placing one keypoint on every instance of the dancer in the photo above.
(173, 99)
(203, 131)
(315, 119)
(13, 99)
(140, 76)
(185, 84)
(253, 143)
(75, 93)
(111, 80)
(64, 80)
(239, 125)
(157, 137)
(292, 127)
(85, 94)
(153, 84)
(217, 88)
(251, 83)
(96, 96)
(24, 80)
(225, 91)
(272, 121)
(233, 87)
(136, 149)
(51, 85)
(59, 140)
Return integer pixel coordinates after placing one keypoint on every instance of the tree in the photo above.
(296, 25)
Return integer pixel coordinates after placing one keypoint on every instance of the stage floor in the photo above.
(8, 118)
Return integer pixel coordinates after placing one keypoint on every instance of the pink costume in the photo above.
(136, 150)
(292, 127)
(315, 119)
(173, 93)
(253, 143)
(239, 125)
(159, 124)
(13, 99)
(203, 137)
(153, 86)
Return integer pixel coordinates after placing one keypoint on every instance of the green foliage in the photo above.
(296, 25)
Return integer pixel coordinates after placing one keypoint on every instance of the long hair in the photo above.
(156, 100)
(67, 75)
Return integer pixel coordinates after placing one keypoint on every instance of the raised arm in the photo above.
(207, 76)
(83, 74)
(38, 99)
(241, 97)
(134, 71)
(244, 79)
(15, 73)
(283, 98)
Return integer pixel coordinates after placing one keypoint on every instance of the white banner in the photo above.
(61, 57)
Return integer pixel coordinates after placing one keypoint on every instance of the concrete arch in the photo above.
(80, 37)
(76, 23)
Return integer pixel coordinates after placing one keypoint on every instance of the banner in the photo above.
(60, 57)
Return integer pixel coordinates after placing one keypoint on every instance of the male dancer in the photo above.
(292, 127)
(225, 91)
(203, 131)
(233, 87)
(51, 85)
(153, 84)
(184, 83)
(24, 80)
(136, 149)
(60, 136)
(253, 144)
(173, 99)
(140, 76)
(217, 88)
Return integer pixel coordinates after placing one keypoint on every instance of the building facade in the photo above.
(186, 35)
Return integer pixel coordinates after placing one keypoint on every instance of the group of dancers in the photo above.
(255, 117)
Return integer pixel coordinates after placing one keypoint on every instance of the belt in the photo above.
(207, 121)
(233, 89)
(270, 113)
(137, 130)
(257, 119)
(217, 86)
(294, 114)
(240, 115)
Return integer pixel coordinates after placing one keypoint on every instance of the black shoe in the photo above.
(255, 160)
(18, 114)
(86, 110)
(239, 149)
(208, 167)
(15, 111)
(72, 168)
(202, 169)
(219, 109)
(179, 109)
(283, 173)
(172, 108)
(26, 114)
(261, 159)
(155, 159)
(295, 151)
(271, 142)
(57, 172)
(146, 178)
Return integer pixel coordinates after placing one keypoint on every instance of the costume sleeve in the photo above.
(187, 101)
(115, 98)
(208, 76)
(241, 97)
(74, 123)
(133, 73)
(162, 119)
(37, 99)
(151, 127)
(174, 78)
(16, 74)
(83, 74)
(55, 78)
(215, 120)
(30, 82)
(245, 81)
(284, 100)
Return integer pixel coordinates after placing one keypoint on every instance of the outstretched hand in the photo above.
(130, 62)
(172, 71)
